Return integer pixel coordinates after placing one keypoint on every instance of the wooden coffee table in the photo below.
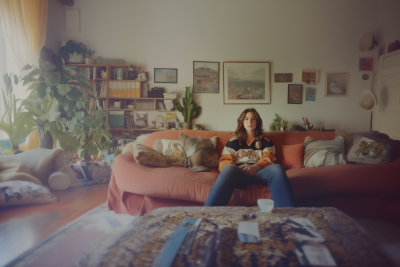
(140, 243)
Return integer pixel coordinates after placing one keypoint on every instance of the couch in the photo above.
(360, 190)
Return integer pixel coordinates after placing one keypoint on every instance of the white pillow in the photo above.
(23, 192)
(323, 152)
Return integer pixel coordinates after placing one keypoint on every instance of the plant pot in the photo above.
(47, 141)
(186, 126)
(89, 60)
(75, 58)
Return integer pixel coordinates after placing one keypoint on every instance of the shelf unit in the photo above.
(111, 84)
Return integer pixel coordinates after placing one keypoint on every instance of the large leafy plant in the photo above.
(16, 122)
(58, 101)
(189, 109)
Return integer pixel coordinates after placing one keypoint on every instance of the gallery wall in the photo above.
(292, 35)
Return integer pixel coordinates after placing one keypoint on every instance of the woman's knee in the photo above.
(230, 172)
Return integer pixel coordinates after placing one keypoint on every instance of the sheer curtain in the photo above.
(24, 25)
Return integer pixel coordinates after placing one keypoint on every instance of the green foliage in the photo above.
(59, 108)
(16, 123)
(189, 109)
(72, 46)
(111, 147)
(277, 123)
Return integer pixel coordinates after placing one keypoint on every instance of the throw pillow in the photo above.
(173, 152)
(369, 149)
(139, 140)
(145, 155)
(323, 152)
(348, 138)
(201, 153)
(23, 192)
(292, 156)
(12, 169)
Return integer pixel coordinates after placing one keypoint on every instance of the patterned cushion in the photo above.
(23, 192)
(173, 152)
(348, 138)
(369, 149)
(323, 152)
(145, 155)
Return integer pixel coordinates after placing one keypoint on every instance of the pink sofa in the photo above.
(369, 191)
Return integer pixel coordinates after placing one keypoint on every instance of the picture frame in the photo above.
(165, 75)
(366, 64)
(283, 77)
(336, 84)
(205, 77)
(295, 94)
(246, 83)
(310, 94)
(309, 76)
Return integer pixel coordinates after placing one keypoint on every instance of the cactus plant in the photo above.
(189, 109)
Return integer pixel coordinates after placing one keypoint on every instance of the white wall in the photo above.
(292, 35)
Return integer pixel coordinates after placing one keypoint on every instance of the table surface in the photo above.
(140, 243)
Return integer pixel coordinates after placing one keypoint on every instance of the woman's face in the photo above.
(250, 122)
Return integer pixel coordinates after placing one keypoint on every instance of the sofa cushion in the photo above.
(323, 152)
(369, 149)
(24, 192)
(173, 152)
(145, 155)
(348, 138)
(292, 156)
(201, 153)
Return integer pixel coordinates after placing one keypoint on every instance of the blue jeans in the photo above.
(232, 177)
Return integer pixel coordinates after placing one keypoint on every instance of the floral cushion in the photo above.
(24, 192)
(145, 155)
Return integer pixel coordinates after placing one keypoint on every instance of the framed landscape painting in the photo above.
(336, 84)
(162, 75)
(295, 93)
(205, 77)
(247, 82)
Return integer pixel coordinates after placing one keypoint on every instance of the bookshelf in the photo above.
(120, 95)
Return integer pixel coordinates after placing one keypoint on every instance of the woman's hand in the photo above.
(253, 169)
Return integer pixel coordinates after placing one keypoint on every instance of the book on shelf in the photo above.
(96, 73)
(161, 105)
(128, 90)
(137, 90)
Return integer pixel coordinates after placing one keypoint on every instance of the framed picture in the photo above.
(311, 92)
(336, 84)
(309, 76)
(366, 64)
(165, 75)
(205, 77)
(247, 82)
(295, 93)
(283, 77)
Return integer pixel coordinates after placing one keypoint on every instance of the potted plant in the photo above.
(58, 101)
(72, 51)
(277, 124)
(88, 54)
(16, 122)
(189, 109)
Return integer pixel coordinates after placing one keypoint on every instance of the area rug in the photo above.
(66, 246)
(140, 243)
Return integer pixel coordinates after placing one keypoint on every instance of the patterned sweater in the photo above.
(261, 152)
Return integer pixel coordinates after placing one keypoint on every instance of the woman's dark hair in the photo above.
(241, 131)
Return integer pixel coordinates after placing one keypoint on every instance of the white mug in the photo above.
(266, 205)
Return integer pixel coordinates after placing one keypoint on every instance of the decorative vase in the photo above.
(89, 60)
(75, 58)
(393, 46)
(47, 141)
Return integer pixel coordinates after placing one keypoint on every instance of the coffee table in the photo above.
(140, 243)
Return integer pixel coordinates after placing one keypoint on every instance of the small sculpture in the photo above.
(141, 75)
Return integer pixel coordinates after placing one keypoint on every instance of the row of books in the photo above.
(99, 89)
(91, 73)
(124, 89)
(101, 104)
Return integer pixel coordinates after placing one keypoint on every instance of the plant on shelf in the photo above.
(189, 109)
(16, 122)
(88, 54)
(58, 101)
(277, 124)
(72, 50)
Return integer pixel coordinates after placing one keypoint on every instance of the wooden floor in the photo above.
(21, 227)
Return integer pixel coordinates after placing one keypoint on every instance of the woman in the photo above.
(249, 158)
